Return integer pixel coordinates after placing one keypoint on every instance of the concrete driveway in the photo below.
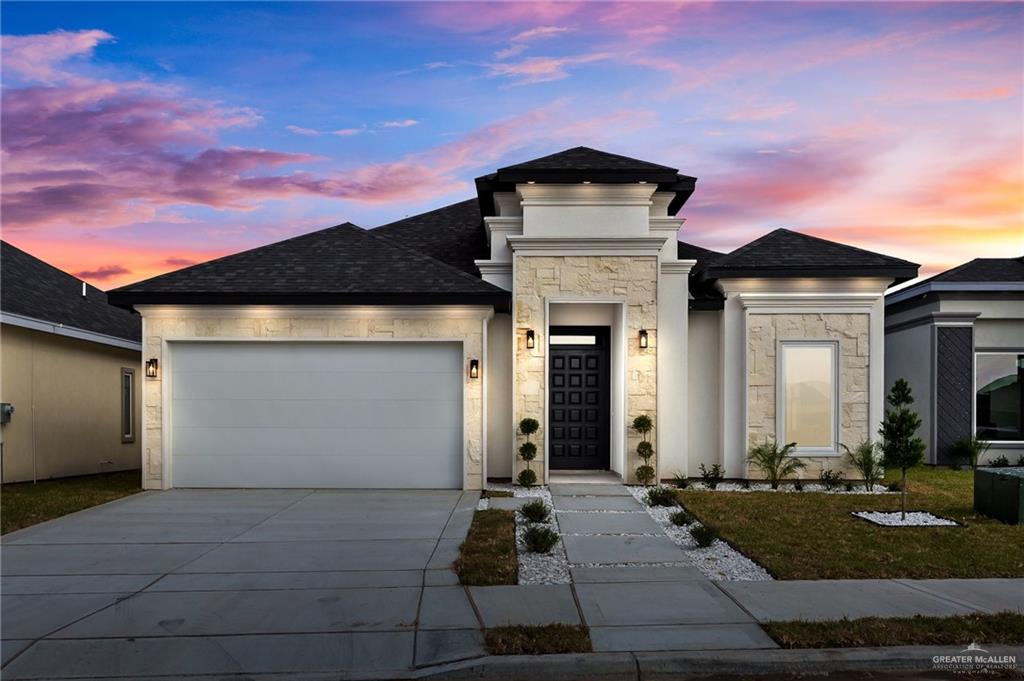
(240, 581)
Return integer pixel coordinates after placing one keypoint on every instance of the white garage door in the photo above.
(345, 414)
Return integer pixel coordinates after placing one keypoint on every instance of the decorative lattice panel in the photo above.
(954, 389)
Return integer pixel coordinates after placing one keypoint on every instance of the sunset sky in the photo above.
(142, 137)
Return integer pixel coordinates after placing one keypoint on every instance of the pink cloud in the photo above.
(403, 123)
(103, 273)
(36, 57)
(544, 69)
(177, 262)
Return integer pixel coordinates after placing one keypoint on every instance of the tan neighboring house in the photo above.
(70, 368)
(403, 356)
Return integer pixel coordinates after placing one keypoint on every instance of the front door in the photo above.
(579, 398)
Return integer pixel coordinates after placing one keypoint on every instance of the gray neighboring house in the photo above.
(958, 338)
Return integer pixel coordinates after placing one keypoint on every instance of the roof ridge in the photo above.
(830, 242)
(237, 253)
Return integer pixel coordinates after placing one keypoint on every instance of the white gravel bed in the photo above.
(895, 519)
(540, 568)
(718, 561)
(787, 488)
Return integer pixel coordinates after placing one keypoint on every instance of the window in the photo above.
(809, 394)
(573, 340)
(998, 389)
(127, 405)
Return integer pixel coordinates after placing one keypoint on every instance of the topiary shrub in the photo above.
(662, 496)
(528, 451)
(704, 535)
(535, 511)
(682, 518)
(645, 472)
(540, 539)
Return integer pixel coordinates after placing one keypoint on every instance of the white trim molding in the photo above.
(317, 312)
(572, 246)
(59, 329)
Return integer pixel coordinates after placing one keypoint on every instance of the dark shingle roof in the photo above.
(983, 271)
(344, 264)
(585, 158)
(784, 253)
(32, 288)
(704, 295)
(453, 234)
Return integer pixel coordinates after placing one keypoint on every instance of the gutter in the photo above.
(950, 287)
(68, 331)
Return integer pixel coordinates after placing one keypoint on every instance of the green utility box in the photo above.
(999, 493)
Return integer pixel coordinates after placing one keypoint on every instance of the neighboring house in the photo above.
(70, 369)
(958, 338)
(403, 356)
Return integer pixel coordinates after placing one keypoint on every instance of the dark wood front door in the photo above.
(579, 398)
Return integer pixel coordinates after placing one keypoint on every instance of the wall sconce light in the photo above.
(152, 367)
(474, 368)
(643, 338)
(530, 339)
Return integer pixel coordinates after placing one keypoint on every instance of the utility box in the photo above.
(999, 493)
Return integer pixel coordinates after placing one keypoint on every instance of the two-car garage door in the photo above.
(316, 414)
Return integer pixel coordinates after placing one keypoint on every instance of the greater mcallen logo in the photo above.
(974, 658)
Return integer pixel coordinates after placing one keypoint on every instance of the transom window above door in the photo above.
(570, 339)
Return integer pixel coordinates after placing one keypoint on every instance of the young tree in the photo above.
(901, 448)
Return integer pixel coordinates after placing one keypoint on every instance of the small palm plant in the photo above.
(774, 462)
(969, 449)
(864, 457)
(528, 451)
(644, 472)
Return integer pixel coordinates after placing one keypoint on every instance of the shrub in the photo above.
(712, 476)
(645, 472)
(528, 451)
(830, 479)
(745, 484)
(968, 450)
(999, 462)
(901, 447)
(1020, 460)
(680, 481)
(864, 457)
(535, 511)
(774, 462)
(895, 486)
(682, 518)
(662, 496)
(798, 485)
(848, 486)
(540, 539)
(704, 535)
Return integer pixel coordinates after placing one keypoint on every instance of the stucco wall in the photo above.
(705, 379)
(339, 323)
(909, 355)
(538, 279)
(67, 399)
(852, 333)
(499, 396)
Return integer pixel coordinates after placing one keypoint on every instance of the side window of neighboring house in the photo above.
(127, 405)
(809, 394)
(999, 396)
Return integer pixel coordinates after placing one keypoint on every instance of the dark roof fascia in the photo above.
(711, 304)
(898, 273)
(500, 301)
(894, 304)
(969, 289)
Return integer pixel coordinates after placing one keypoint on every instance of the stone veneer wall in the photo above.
(466, 328)
(632, 278)
(852, 332)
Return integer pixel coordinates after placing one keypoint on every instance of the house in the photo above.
(958, 338)
(70, 370)
(403, 356)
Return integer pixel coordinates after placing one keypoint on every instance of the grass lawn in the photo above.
(813, 536)
(488, 556)
(548, 639)
(1004, 628)
(24, 503)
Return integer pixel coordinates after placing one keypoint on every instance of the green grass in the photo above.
(548, 639)
(24, 503)
(1004, 628)
(495, 494)
(488, 556)
(813, 536)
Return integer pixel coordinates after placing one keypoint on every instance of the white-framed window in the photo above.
(999, 396)
(808, 395)
(127, 405)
